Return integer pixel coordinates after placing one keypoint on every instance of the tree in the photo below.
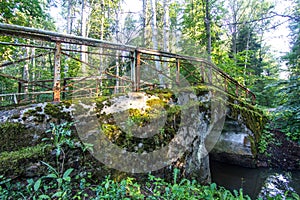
(288, 114)
(30, 13)
(201, 28)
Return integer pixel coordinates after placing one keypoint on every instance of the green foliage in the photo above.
(59, 182)
(287, 117)
(70, 184)
(25, 13)
(63, 186)
(60, 135)
(193, 27)
(266, 138)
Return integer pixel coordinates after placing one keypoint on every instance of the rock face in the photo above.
(234, 145)
(38, 116)
(147, 131)
(160, 133)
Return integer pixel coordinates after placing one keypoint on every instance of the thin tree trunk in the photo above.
(166, 32)
(145, 23)
(101, 67)
(234, 31)
(154, 40)
(246, 56)
(26, 72)
(208, 28)
(69, 17)
(153, 24)
(33, 67)
(84, 48)
(117, 52)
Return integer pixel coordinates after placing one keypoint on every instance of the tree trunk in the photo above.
(26, 72)
(69, 17)
(84, 56)
(33, 67)
(234, 31)
(166, 32)
(117, 52)
(154, 40)
(207, 28)
(166, 29)
(144, 23)
(101, 67)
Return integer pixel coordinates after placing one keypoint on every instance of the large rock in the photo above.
(234, 145)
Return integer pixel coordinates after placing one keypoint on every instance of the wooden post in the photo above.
(177, 71)
(253, 99)
(65, 89)
(97, 87)
(132, 69)
(210, 74)
(56, 81)
(19, 91)
(202, 73)
(137, 70)
(226, 85)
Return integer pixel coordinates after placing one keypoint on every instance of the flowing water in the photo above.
(255, 182)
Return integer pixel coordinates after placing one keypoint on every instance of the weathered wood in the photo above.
(177, 71)
(137, 70)
(23, 93)
(56, 80)
(206, 67)
(23, 59)
(26, 45)
(32, 33)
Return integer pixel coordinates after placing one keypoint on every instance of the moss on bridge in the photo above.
(16, 140)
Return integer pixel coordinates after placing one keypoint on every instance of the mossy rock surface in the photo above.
(14, 136)
(14, 163)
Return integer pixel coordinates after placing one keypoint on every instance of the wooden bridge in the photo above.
(38, 65)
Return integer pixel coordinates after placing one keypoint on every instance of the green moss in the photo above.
(55, 111)
(16, 116)
(14, 136)
(254, 119)
(101, 102)
(39, 109)
(23, 153)
(31, 112)
(156, 103)
(112, 132)
(39, 117)
(66, 103)
(16, 162)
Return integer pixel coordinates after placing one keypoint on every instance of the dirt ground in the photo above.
(283, 154)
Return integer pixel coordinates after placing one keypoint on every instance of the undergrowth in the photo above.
(72, 186)
(62, 182)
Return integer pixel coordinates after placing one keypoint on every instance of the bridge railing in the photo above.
(40, 65)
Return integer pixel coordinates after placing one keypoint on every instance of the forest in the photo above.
(238, 36)
(232, 34)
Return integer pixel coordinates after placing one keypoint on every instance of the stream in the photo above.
(254, 181)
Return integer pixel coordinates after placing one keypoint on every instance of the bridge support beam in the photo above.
(177, 71)
(137, 70)
(56, 81)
